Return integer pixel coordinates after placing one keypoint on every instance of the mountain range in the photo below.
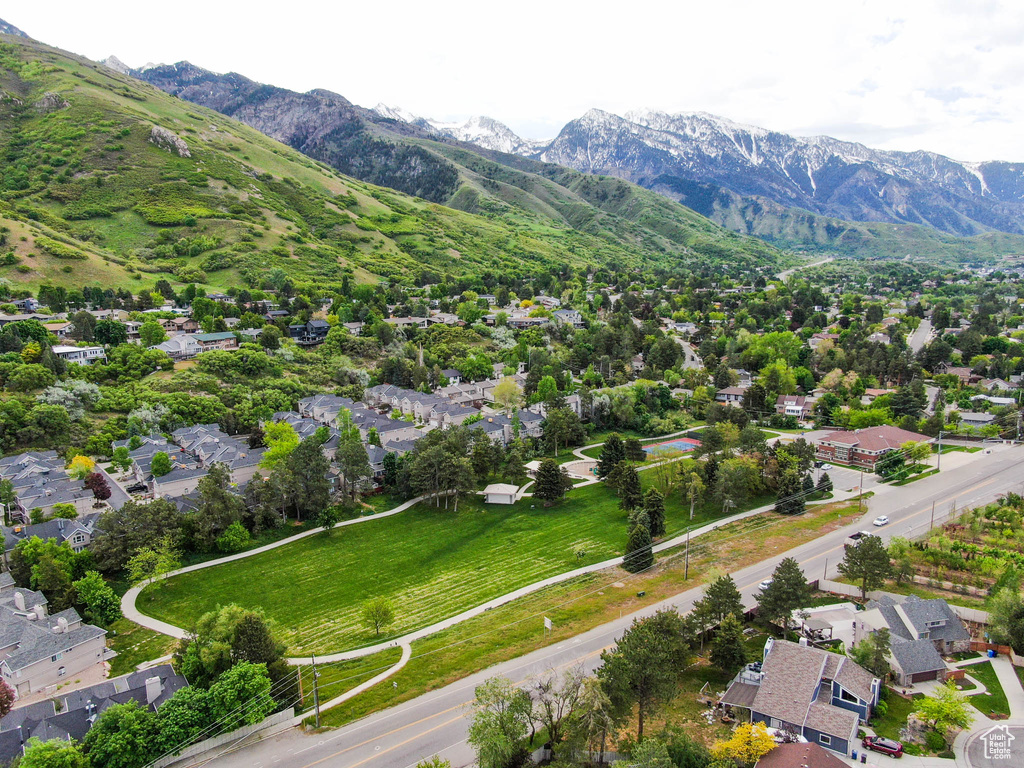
(682, 155)
(108, 180)
(815, 194)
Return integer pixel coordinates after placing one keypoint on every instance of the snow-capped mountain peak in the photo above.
(481, 130)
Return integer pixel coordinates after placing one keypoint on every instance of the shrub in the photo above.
(58, 250)
(934, 741)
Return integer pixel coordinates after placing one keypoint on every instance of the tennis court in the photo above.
(679, 445)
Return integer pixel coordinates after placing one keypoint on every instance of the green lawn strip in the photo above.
(134, 645)
(928, 593)
(995, 699)
(431, 562)
(574, 606)
(895, 718)
(338, 677)
(918, 476)
(1020, 674)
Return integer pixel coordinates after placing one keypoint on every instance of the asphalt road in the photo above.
(920, 336)
(1000, 746)
(436, 722)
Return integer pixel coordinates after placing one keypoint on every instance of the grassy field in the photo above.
(429, 561)
(581, 604)
(134, 645)
(995, 699)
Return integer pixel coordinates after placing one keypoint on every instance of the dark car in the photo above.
(885, 746)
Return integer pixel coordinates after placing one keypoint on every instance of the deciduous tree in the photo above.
(502, 714)
(378, 614)
(644, 668)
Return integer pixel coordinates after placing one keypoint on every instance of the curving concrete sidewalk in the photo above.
(128, 600)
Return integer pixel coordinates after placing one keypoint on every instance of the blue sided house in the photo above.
(812, 693)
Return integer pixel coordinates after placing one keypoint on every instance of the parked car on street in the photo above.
(885, 746)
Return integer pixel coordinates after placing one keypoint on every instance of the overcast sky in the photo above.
(942, 75)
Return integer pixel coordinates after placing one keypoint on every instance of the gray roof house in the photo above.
(920, 632)
(821, 696)
(38, 650)
(40, 481)
(77, 533)
(70, 715)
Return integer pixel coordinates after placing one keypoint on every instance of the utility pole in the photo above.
(824, 571)
(686, 570)
(932, 523)
(860, 494)
(938, 465)
(316, 690)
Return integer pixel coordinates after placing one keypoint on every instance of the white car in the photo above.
(764, 584)
(881, 520)
(826, 467)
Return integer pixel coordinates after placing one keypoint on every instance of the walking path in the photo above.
(130, 611)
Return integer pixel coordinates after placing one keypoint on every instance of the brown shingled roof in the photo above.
(800, 756)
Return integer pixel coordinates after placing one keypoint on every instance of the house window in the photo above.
(847, 696)
(56, 657)
(776, 723)
(826, 740)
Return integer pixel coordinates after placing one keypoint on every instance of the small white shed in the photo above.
(500, 493)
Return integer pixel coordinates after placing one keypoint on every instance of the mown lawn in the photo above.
(895, 718)
(431, 562)
(135, 644)
(995, 699)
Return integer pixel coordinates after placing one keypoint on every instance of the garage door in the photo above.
(921, 677)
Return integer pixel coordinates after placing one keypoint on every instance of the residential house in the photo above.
(569, 317)
(40, 481)
(70, 714)
(800, 755)
(38, 650)
(180, 325)
(80, 355)
(548, 302)
(522, 322)
(209, 446)
(222, 340)
(993, 400)
(975, 421)
(183, 347)
(963, 373)
(920, 633)
(863, 447)
(78, 533)
(307, 427)
(406, 322)
(311, 333)
(448, 414)
(820, 696)
(797, 406)
(730, 395)
(746, 378)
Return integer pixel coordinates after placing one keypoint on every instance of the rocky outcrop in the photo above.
(51, 102)
(114, 63)
(324, 125)
(169, 140)
(10, 29)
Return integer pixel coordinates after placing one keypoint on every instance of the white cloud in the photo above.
(945, 76)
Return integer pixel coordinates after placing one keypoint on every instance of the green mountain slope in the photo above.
(109, 181)
(802, 230)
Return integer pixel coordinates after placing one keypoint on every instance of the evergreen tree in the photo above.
(634, 450)
(787, 592)
(790, 500)
(639, 554)
(721, 598)
(552, 482)
(631, 495)
(867, 562)
(654, 506)
(728, 652)
(612, 453)
(824, 483)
